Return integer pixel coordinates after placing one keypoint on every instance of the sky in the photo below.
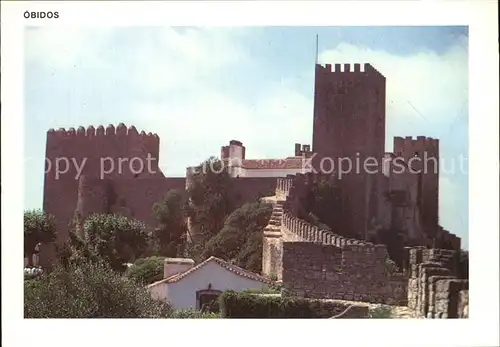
(198, 88)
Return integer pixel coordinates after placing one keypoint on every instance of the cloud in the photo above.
(425, 91)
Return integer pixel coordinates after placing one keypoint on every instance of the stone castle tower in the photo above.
(426, 149)
(79, 162)
(349, 122)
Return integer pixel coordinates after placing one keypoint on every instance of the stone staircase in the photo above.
(276, 216)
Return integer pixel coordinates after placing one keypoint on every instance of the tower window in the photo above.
(415, 154)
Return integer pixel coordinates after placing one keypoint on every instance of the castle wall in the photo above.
(268, 172)
(320, 264)
(434, 290)
(353, 272)
(133, 198)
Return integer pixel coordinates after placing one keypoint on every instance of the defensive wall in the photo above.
(114, 170)
(434, 289)
(316, 263)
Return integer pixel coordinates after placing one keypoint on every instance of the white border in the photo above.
(480, 330)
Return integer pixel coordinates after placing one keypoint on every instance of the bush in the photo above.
(240, 241)
(381, 312)
(247, 305)
(146, 270)
(38, 228)
(90, 290)
(112, 238)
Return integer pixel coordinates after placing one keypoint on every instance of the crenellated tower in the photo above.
(349, 111)
(92, 153)
(349, 122)
(422, 156)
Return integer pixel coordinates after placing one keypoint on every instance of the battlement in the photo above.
(100, 131)
(311, 233)
(361, 69)
(420, 143)
(283, 186)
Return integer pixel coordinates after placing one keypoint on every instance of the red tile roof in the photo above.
(288, 163)
(228, 266)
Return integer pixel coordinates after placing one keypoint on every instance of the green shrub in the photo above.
(38, 228)
(146, 270)
(240, 240)
(248, 305)
(112, 238)
(381, 312)
(89, 290)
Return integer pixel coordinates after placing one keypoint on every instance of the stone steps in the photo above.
(276, 218)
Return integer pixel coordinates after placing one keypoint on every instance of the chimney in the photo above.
(174, 266)
(297, 149)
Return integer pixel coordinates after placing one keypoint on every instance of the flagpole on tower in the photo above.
(316, 58)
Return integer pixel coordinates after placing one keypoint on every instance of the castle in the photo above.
(115, 170)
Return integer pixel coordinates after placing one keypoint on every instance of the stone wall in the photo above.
(272, 242)
(353, 272)
(296, 229)
(271, 254)
(434, 290)
(317, 263)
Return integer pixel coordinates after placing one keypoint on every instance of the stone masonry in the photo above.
(316, 263)
(353, 272)
(434, 291)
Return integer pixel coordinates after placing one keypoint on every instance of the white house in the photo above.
(187, 286)
(239, 166)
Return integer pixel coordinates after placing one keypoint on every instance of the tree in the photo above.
(38, 228)
(89, 290)
(111, 238)
(170, 213)
(146, 270)
(240, 240)
(209, 199)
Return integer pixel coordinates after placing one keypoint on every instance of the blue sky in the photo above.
(198, 88)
